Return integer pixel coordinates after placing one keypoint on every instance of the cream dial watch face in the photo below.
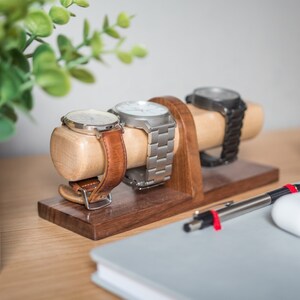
(142, 108)
(91, 117)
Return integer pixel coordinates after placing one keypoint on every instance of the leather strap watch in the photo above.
(92, 192)
(156, 120)
(232, 107)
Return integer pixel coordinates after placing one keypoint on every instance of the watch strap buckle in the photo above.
(95, 205)
(81, 196)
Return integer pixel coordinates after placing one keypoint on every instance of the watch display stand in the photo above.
(190, 187)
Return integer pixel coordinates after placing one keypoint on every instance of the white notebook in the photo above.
(250, 258)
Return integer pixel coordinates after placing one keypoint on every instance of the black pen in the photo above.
(215, 217)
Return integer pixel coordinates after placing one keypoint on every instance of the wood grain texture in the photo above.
(41, 260)
(77, 156)
(131, 209)
(186, 164)
(183, 192)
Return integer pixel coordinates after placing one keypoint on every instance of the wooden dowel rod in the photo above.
(77, 156)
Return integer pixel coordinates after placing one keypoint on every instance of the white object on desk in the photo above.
(248, 259)
(286, 213)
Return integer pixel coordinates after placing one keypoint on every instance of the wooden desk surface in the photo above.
(41, 260)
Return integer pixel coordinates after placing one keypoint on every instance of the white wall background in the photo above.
(250, 46)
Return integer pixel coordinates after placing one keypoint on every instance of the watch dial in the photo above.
(91, 117)
(217, 94)
(141, 108)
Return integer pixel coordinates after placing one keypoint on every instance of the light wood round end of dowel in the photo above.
(75, 155)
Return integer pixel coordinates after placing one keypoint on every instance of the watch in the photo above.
(156, 120)
(232, 107)
(106, 127)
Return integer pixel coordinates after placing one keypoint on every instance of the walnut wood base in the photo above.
(189, 188)
(131, 209)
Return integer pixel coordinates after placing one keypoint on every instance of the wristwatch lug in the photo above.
(145, 125)
(218, 107)
(139, 183)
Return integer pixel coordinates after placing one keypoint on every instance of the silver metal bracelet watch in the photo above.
(156, 120)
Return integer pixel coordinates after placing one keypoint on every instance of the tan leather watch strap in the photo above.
(68, 193)
(115, 167)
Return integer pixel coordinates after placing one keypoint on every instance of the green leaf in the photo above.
(120, 43)
(8, 112)
(22, 75)
(64, 44)
(82, 3)
(43, 58)
(15, 38)
(25, 102)
(79, 61)
(125, 57)
(19, 60)
(100, 59)
(66, 3)
(9, 84)
(123, 20)
(7, 128)
(139, 51)
(66, 48)
(59, 15)
(55, 82)
(112, 32)
(39, 23)
(82, 75)
(22, 40)
(86, 30)
(13, 9)
(105, 23)
(2, 31)
(19, 84)
(96, 44)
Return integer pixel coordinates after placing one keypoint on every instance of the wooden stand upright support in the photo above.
(189, 188)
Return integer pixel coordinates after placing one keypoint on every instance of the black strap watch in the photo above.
(232, 107)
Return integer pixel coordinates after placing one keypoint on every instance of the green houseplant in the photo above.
(28, 60)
